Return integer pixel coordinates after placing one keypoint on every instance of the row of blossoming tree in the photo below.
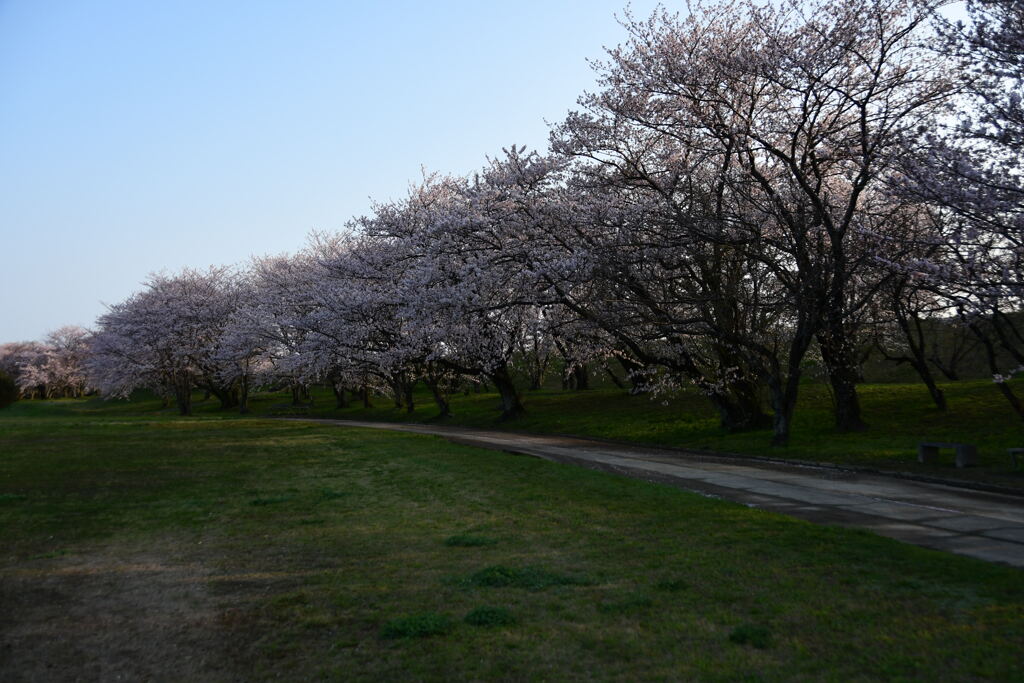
(749, 185)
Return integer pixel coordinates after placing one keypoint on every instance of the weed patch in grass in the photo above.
(490, 617)
(328, 494)
(421, 625)
(754, 635)
(469, 541)
(531, 578)
(11, 498)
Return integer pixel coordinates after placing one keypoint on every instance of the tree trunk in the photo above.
(784, 386)
(243, 395)
(842, 376)
(439, 398)
(366, 397)
(993, 364)
(582, 379)
(614, 378)
(632, 370)
(183, 396)
(340, 401)
(407, 388)
(228, 397)
(740, 409)
(925, 373)
(783, 400)
(511, 407)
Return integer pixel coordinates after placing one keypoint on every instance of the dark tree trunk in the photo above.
(407, 388)
(633, 373)
(740, 409)
(581, 378)
(511, 407)
(913, 332)
(396, 393)
(784, 386)
(614, 378)
(366, 397)
(439, 398)
(340, 400)
(993, 364)
(840, 364)
(243, 395)
(783, 398)
(948, 371)
(938, 396)
(183, 396)
(228, 397)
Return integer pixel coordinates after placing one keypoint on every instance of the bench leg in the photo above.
(966, 456)
(927, 454)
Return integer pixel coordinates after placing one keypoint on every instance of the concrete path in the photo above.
(989, 526)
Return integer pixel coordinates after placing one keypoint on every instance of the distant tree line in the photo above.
(752, 188)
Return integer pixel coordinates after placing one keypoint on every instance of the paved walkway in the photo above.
(989, 526)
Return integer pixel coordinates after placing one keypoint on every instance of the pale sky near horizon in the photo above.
(139, 137)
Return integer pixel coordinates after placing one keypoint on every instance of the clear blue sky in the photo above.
(141, 136)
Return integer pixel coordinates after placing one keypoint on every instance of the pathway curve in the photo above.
(989, 526)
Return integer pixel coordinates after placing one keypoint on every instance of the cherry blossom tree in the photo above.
(60, 369)
(766, 131)
(169, 337)
(23, 362)
(973, 169)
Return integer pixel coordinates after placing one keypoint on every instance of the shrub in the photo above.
(8, 390)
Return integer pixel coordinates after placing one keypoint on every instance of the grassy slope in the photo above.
(899, 415)
(348, 529)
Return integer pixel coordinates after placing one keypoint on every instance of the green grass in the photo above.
(342, 571)
(899, 416)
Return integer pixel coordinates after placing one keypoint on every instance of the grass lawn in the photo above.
(899, 417)
(254, 549)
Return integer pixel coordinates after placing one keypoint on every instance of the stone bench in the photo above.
(966, 454)
(1014, 452)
